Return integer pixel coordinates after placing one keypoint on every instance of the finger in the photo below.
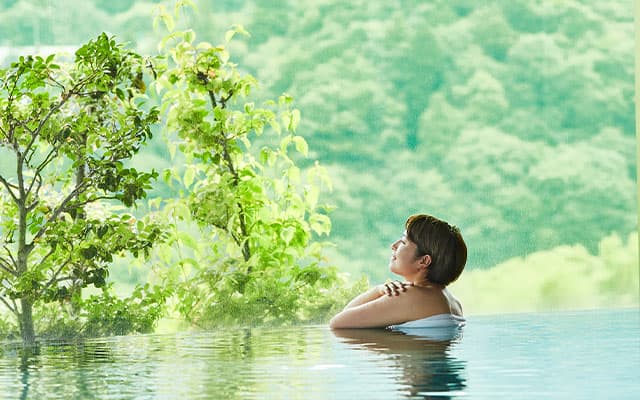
(399, 288)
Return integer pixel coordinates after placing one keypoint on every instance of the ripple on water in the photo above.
(527, 355)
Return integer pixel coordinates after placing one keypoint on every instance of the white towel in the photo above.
(434, 321)
(440, 327)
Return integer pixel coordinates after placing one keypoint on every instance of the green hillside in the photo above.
(512, 119)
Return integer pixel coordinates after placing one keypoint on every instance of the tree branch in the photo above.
(65, 278)
(12, 309)
(92, 94)
(29, 156)
(13, 260)
(12, 91)
(4, 133)
(60, 85)
(223, 100)
(212, 97)
(54, 216)
(29, 147)
(54, 277)
(35, 202)
(43, 259)
(244, 244)
(44, 119)
(39, 169)
(8, 186)
(94, 199)
(5, 265)
(65, 98)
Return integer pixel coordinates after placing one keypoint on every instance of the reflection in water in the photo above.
(235, 364)
(428, 369)
(563, 360)
(70, 358)
(27, 356)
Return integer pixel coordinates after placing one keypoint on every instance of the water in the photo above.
(591, 354)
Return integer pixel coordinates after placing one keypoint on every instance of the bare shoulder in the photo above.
(454, 303)
(432, 300)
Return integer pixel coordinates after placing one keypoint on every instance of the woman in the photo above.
(430, 255)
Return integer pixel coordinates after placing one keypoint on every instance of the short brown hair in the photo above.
(441, 241)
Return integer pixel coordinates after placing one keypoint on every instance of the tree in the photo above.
(68, 131)
(257, 210)
(416, 78)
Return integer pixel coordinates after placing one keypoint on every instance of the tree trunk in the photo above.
(78, 214)
(26, 322)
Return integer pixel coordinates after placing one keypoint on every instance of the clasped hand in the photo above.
(394, 288)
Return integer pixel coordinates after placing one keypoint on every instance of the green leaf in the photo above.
(287, 234)
(189, 36)
(229, 35)
(186, 4)
(223, 55)
(172, 150)
(301, 145)
(189, 176)
(166, 176)
(235, 29)
(188, 240)
(264, 155)
(311, 195)
(320, 224)
(168, 21)
(294, 120)
(284, 143)
(89, 252)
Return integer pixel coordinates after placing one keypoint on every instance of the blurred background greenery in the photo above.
(512, 119)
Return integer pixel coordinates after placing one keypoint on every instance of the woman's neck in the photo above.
(425, 283)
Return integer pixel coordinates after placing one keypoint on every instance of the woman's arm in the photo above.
(370, 295)
(390, 289)
(373, 309)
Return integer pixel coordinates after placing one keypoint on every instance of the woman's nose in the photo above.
(394, 245)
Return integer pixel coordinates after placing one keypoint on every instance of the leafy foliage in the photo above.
(107, 314)
(513, 119)
(68, 130)
(101, 314)
(258, 209)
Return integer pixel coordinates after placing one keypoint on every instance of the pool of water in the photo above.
(568, 355)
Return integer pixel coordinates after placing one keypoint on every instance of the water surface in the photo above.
(589, 354)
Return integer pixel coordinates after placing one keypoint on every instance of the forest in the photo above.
(513, 120)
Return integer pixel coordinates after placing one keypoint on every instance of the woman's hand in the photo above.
(394, 288)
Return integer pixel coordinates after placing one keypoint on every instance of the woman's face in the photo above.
(403, 260)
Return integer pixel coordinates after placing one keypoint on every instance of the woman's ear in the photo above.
(425, 261)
